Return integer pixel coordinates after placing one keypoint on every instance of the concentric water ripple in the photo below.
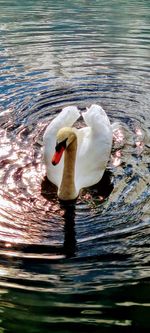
(36, 214)
(86, 261)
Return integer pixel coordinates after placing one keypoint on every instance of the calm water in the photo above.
(84, 266)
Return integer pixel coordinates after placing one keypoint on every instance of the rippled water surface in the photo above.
(83, 266)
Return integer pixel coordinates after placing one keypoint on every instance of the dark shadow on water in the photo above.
(105, 186)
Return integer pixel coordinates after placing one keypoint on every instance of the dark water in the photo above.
(85, 266)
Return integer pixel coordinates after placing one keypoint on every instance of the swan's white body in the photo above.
(94, 143)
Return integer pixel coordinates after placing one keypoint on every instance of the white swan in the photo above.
(86, 150)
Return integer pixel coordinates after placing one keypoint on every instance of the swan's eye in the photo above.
(60, 145)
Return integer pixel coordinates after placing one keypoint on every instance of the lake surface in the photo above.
(83, 266)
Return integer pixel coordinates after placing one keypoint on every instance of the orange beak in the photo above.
(57, 156)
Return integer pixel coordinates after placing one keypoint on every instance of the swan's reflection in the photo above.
(69, 228)
(67, 209)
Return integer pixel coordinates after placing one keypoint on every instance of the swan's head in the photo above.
(65, 136)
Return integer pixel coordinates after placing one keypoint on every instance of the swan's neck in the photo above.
(67, 190)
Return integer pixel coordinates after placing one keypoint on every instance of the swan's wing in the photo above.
(95, 142)
(66, 117)
(96, 117)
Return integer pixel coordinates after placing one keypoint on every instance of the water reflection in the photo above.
(85, 265)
